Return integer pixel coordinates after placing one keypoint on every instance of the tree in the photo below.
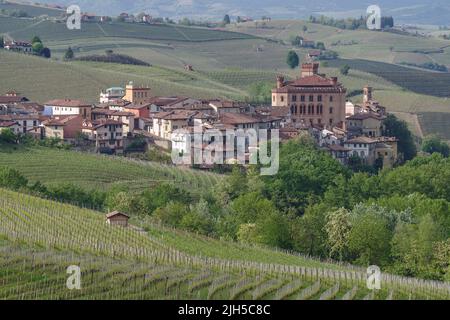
(38, 47)
(8, 136)
(2, 42)
(12, 179)
(393, 127)
(46, 53)
(370, 236)
(36, 39)
(226, 19)
(69, 55)
(338, 229)
(304, 28)
(320, 46)
(345, 70)
(172, 214)
(433, 143)
(293, 60)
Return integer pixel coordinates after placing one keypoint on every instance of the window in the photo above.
(311, 98)
(282, 98)
(319, 98)
(296, 110)
(302, 98)
(331, 98)
(309, 109)
(273, 98)
(331, 110)
(294, 98)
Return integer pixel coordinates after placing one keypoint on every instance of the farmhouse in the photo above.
(68, 107)
(106, 133)
(19, 46)
(366, 123)
(63, 127)
(164, 123)
(312, 98)
(117, 218)
(26, 123)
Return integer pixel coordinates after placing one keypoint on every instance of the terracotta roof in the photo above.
(7, 124)
(166, 101)
(313, 81)
(61, 120)
(93, 125)
(237, 118)
(361, 139)
(116, 213)
(12, 99)
(67, 103)
(176, 115)
(336, 147)
(14, 117)
(137, 106)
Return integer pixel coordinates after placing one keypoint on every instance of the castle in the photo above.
(313, 98)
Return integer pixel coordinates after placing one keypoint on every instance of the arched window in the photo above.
(292, 109)
(320, 109)
(363, 154)
(296, 110)
(312, 109)
(309, 109)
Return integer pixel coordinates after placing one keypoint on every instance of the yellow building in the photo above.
(137, 95)
(313, 99)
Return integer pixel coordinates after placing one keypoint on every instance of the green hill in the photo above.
(40, 238)
(51, 166)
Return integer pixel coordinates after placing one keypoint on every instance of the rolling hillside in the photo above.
(40, 238)
(103, 172)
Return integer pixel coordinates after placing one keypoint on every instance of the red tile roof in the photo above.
(67, 103)
(313, 81)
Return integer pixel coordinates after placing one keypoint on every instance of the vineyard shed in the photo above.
(117, 218)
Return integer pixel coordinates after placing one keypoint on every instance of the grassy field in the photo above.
(39, 239)
(51, 166)
(31, 10)
(79, 80)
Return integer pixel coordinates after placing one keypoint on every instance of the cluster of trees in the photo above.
(39, 48)
(350, 23)
(397, 219)
(429, 65)
(14, 13)
(109, 58)
(434, 144)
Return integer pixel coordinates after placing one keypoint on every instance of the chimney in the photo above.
(280, 82)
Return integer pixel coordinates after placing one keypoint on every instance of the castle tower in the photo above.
(136, 95)
(309, 69)
(367, 95)
(280, 82)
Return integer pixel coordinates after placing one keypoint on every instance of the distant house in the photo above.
(25, 123)
(366, 123)
(112, 94)
(105, 133)
(117, 218)
(19, 46)
(63, 127)
(67, 107)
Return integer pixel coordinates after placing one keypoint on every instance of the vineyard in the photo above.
(50, 166)
(435, 123)
(40, 239)
(415, 80)
(53, 31)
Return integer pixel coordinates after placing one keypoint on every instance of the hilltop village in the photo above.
(313, 105)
